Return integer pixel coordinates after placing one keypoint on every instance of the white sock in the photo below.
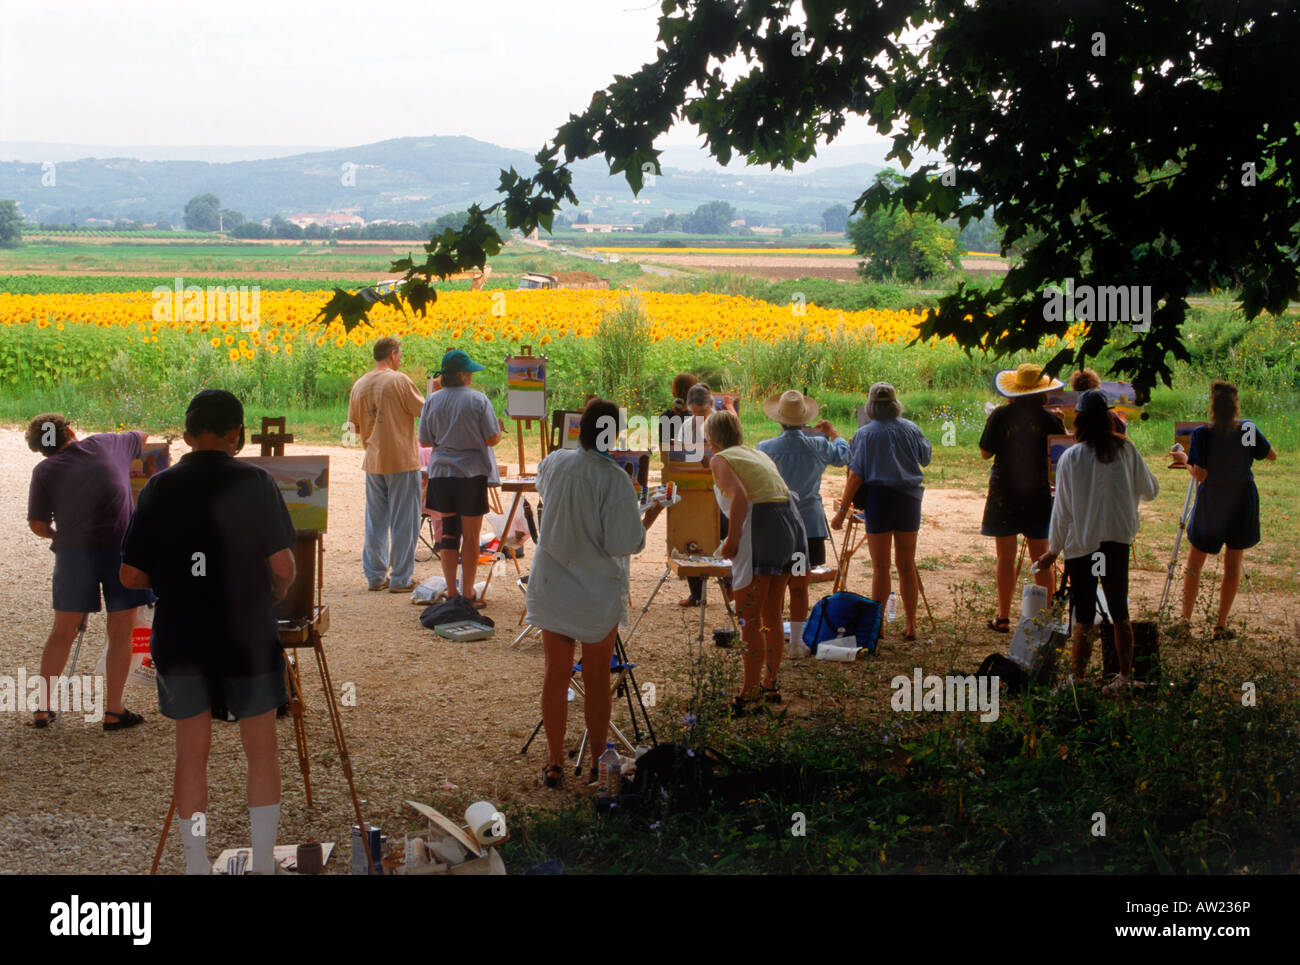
(265, 821)
(797, 648)
(196, 849)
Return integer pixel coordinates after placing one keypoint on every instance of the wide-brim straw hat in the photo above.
(791, 408)
(1025, 379)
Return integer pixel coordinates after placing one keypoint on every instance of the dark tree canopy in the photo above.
(1137, 143)
(202, 213)
(11, 225)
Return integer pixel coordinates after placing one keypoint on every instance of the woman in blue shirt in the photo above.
(1227, 502)
(802, 458)
(887, 455)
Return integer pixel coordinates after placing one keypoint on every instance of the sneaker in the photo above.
(1119, 685)
(378, 586)
(403, 589)
(1068, 683)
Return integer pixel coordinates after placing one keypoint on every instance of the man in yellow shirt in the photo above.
(382, 411)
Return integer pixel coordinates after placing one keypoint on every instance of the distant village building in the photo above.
(603, 229)
(327, 219)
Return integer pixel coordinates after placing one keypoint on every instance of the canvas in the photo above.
(304, 484)
(526, 387)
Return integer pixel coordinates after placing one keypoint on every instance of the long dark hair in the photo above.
(1096, 429)
(1224, 408)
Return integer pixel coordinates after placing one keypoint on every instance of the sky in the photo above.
(327, 73)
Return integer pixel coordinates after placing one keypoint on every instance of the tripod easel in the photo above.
(304, 619)
(622, 684)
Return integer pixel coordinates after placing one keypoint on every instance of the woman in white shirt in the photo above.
(1099, 481)
(578, 584)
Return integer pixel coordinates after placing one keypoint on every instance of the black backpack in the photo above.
(455, 610)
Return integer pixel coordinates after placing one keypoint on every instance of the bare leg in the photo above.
(596, 705)
(774, 632)
(190, 787)
(878, 547)
(1231, 580)
(1006, 573)
(471, 527)
(58, 645)
(908, 579)
(118, 663)
(1124, 644)
(449, 560)
(749, 605)
(258, 736)
(1044, 578)
(798, 599)
(1192, 580)
(555, 692)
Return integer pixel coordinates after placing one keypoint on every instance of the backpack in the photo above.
(843, 614)
(455, 610)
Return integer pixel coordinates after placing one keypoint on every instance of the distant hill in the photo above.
(405, 179)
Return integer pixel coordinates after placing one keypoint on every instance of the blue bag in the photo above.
(843, 614)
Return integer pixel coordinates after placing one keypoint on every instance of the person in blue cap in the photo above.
(460, 425)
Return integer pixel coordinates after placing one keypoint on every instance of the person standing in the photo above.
(764, 540)
(461, 427)
(886, 456)
(578, 587)
(80, 500)
(699, 406)
(1020, 493)
(1099, 481)
(382, 410)
(801, 459)
(1227, 500)
(213, 538)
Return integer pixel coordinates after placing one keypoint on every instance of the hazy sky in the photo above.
(327, 72)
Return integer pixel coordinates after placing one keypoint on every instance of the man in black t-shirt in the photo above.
(214, 540)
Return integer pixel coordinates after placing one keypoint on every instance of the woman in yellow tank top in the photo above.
(765, 542)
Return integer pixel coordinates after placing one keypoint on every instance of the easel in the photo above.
(694, 528)
(526, 354)
(622, 683)
(303, 620)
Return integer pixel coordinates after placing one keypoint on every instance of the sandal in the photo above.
(1000, 625)
(771, 695)
(553, 775)
(475, 602)
(742, 706)
(1223, 633)
(40, 723)
(124, 720)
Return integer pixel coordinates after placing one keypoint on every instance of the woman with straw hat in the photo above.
(1020, 494)
(802, 457)
(886, 457)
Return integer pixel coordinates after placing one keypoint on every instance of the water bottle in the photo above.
(891, 608)
(611, 771)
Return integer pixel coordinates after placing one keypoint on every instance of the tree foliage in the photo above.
(202, 213)
(898, 244)
(11, 225)
(1145, 142)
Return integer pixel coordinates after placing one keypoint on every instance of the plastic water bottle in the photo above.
(611, 771)
(891, 608)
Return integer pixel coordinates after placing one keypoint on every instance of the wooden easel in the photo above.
(526, 351)
(304, 619)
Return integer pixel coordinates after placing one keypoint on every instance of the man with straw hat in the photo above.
(1020, 494)
(802, 457)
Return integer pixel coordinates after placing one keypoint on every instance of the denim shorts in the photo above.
(181, 696)
(80, 572)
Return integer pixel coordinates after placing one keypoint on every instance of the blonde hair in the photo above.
(722, 428)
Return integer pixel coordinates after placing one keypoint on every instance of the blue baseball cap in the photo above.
(457, 361)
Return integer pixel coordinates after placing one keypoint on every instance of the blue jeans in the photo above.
(392, 507)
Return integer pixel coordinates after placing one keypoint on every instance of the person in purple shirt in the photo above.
(83, 488)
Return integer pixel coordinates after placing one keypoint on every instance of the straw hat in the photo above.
(1027, 379)
(791, 408)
